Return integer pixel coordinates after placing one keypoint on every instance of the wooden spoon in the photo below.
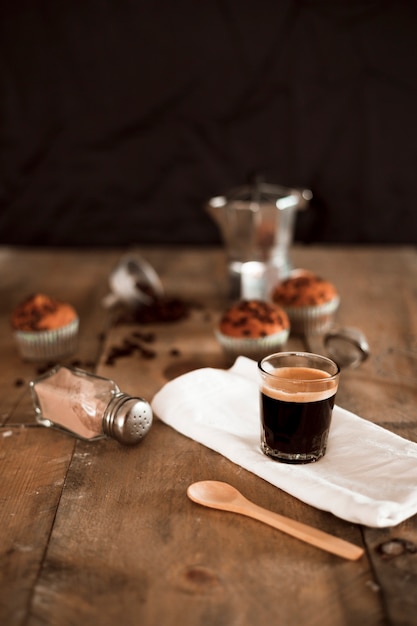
(219, 495)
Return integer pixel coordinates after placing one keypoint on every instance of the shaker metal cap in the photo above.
(127, 419)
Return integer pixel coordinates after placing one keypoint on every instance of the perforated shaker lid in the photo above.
(127, 419)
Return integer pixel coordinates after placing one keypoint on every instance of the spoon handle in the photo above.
(310, 535)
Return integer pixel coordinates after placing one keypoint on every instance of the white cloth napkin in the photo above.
(368, 475)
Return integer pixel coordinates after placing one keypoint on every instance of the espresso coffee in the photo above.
(296, 411)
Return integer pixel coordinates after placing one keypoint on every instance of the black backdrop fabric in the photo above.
(120, 118)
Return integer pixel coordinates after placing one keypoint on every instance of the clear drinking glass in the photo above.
(297, 394)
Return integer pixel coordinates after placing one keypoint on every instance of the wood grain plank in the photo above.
(34, 460)
(33, 468)
(186, 564)
(143, 553)
(382, 301)
(127, 545)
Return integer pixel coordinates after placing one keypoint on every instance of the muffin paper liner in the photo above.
(254, 348)
(312, 320)
(47, 344)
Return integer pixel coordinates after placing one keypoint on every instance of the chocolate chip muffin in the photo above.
(44, 328)
(309, 300)
(253, 328)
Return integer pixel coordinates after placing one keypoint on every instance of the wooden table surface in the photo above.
(103, 534)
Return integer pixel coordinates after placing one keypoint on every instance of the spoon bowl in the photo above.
(213, 493)
(219, 495)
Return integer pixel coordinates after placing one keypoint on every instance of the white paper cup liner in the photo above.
(312, 320)
(254, 348)
(47, 344)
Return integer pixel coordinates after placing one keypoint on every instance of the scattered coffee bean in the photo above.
(162, 309)
(128, 347)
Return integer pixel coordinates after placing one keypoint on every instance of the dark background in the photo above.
(120, 118)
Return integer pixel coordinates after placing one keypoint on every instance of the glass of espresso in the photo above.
(297, 392)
